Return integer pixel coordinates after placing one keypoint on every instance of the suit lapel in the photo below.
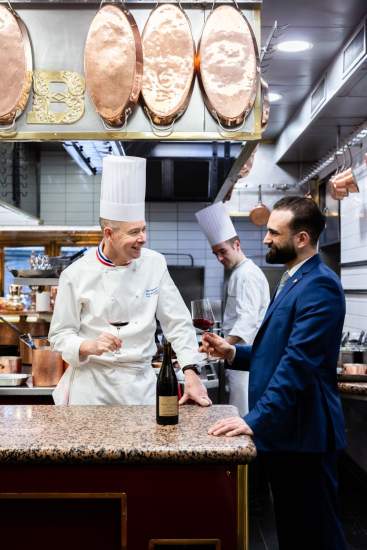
(289, 285)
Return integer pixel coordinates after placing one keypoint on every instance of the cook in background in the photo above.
(247, 295)
(120, 276)
(295, 416)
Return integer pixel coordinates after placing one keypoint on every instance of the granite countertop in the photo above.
(354, 388)
(117, 434)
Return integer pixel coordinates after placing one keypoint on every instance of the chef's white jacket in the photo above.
(86, 290)
(246, 303)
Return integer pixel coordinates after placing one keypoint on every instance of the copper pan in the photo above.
(16, 68)
(10, 364)
(47, 367)
(169, 66)
(260, 214)
(26, 351)
(228, 67)
(113, 64)
(247, 166)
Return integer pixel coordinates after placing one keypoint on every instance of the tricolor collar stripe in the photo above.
(102, 257)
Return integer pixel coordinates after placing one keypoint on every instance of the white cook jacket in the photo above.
(86, 290)
(247, 301)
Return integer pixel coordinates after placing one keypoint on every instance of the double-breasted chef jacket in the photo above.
(247, 300)
(86, 290)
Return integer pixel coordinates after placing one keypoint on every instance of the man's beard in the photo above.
(281, 255)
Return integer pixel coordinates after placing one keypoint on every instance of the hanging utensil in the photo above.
(113, 64)
(228, 67)
(169, 67)
(259, 215)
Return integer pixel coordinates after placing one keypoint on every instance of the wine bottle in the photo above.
(167, 390)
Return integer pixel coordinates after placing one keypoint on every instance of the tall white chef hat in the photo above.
(215, 223)
(123, 189)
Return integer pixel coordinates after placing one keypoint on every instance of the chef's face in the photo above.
(281, 241)
(227, 253)
(125, 241)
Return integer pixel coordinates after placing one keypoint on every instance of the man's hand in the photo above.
(103, 343)
(214, 345)
(233, 425)
(195, 390)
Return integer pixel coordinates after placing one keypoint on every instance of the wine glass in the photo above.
(202, 318)
(118, 317)
(202, 314)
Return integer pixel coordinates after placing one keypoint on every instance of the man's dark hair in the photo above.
(307, 216)
(232, 240)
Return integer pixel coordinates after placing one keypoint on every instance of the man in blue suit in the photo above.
(295, 412)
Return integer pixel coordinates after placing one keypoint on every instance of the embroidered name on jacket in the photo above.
(151, 291)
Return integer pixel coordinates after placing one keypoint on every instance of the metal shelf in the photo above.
(36, 281)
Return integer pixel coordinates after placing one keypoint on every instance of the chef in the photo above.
(120, 277)
(247, 294)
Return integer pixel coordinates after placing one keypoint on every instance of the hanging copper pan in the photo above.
(265, 103)
(228, 66)
(247, 166)
(169, 66)
(113, 64)
(260, 214)
(16, 67)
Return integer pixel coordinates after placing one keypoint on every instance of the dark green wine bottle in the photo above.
(167, 390)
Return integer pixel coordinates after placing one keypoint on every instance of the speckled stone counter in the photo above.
(113, 479)
(353, 388)
(127, 434)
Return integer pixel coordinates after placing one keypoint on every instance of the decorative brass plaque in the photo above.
(44, 97)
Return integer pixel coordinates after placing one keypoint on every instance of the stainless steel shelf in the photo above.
(33, 281)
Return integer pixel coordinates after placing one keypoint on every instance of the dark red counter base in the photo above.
(190, 503)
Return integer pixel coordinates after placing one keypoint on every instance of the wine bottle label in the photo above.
(168, 406)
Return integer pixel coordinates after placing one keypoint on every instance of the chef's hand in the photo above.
(195, 390)
(103, 343)
(233, 425)
(214, 345)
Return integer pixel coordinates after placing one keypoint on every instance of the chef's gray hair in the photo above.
(115, 226)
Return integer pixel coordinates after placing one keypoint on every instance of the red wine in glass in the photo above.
(203, 324)
(119, 324)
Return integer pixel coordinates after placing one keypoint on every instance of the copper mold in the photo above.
(16, 67)
(228, 66)
(113, 64)
(169, 65)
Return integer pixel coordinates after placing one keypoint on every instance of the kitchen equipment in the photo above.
(113, 64)
(354, 368)
(228, 67)
(47, 366)
(43, 302)
(9, 333)
(25, 347)
(265, 104)
(169, 66)
(16, 67)
(12, 379)
(10, 364)
(259, 215)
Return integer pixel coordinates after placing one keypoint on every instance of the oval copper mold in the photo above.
(16, 66)
(228, 66)
(113, 64)
(169, 64)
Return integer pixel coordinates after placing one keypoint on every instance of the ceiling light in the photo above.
(293, 46)
(274, 96)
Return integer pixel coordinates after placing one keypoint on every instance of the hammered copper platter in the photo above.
(113, 64)
(169, 64)
(16, 66)
(228, 66)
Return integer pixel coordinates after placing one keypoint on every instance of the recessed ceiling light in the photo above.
(274, 96)
(294, 46)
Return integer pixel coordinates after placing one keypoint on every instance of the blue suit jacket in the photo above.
(293, 395)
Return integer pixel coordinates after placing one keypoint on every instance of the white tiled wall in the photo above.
(68, 196)
(354, 249)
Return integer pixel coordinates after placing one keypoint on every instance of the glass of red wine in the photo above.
(202, 318)
(118, 317)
